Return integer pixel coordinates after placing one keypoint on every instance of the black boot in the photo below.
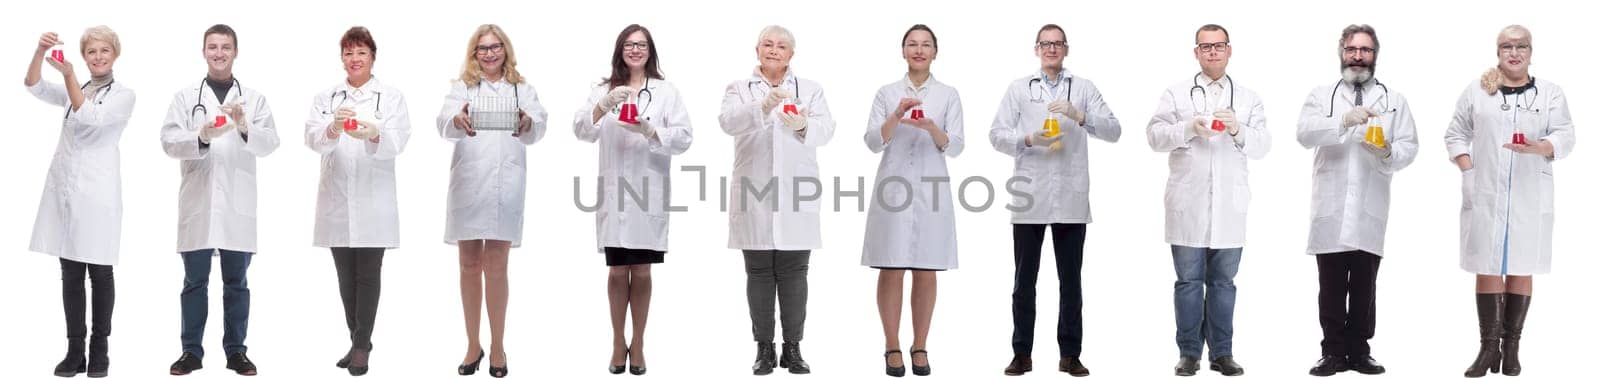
(74, 363)
(1491, 309)
(99, 363)
(791, 359)
(766, 359)
(1516, 313)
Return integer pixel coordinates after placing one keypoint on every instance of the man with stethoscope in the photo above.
(216, 130)
(1363, 133)
(1044, 124)
(1210, 127)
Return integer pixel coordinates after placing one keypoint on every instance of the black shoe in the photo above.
(1020, 364)
(1186, 367)
(1330, 365)
(74, 362)
(360, 361)
(345, 361)
(1491, 314)
(1516, 313)
(472, 368)
(497, 372)
(187, 363)
(99, 363)
(634, 369)
(1227, 366)
(1366, 365)
(766, 359)
(791, 359)
(920, 370)
(1073, 366)
(619, 368)
(890, 370)
(241, 364)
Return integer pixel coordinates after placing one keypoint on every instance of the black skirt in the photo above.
(626, 256)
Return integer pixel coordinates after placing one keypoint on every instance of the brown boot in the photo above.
(1516, 313)
(1491, 310)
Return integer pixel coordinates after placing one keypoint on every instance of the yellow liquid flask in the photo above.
(1375, 136)
(1051, 127)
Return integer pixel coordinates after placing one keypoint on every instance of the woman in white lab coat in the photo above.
(1507, 129)
(776, 232)
(635, 161)
(359, 127)
(916, 123)
(488, 183)
(80, 212)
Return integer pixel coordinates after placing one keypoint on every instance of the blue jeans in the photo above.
(235, 299)
(1203, 299)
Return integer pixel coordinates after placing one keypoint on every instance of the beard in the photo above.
(1357, 73)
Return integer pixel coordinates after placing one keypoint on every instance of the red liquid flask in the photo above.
(916, 113)
(630, 113)
(1518, 138)
(791, 109)
(350, 124)
(58, 56)
(221, 120)
(1216, 124)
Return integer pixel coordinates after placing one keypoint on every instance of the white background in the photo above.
(699, 324)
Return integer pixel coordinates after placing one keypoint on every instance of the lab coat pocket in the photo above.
(1241, 198)
(1547, 201)
(1375, 197)
(1468, 188)
(244, 193)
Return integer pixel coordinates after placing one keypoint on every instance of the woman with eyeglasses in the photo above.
(80, 213)
(916, 124)
(1508, 128)
(491, 115)
(359, 127)
(640, 122)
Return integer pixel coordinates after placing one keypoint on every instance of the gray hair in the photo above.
(1353, 29)
(103, 34)
(777, 31)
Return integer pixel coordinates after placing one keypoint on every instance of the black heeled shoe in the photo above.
(920, 370)
(470, 369)
(893, 371)
(618, 369)
(498, 371)
(345, 361)
(634, 369)
(360, 370)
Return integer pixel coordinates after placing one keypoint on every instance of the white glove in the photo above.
(236, 111)
(1382, 153)
(1357, 116)
(616, 96)
(363, 132)
(1038, 139)
(643, 128)
(775, 97)
(796, 122)
(1063, 107)
(1229, 123)
(208, 133)
(1202, 128)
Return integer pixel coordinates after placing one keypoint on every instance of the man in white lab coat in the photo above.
(216, 130)
(1363, 133)
(1057, 164)
(1209, 126)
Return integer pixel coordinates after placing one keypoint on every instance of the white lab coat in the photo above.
(217, 200)
(1508, 198)
(1059, 184)
(770, 156)
(80, 212)
(488, 172)
(1349, 185)
(356, 201)
(1208, 192)
(622, 221)
(923, 234)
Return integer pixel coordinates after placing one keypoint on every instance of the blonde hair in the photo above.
(103, 34)
(776, 31)
(1515, 31)
(472, 74)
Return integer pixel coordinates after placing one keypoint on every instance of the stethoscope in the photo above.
(344, 95)
(1202, 90)
(1037, 97)
(1335, 95)
(199, 97)
(644, 94)
(1505, 101)
(751, 86)
(99, 95)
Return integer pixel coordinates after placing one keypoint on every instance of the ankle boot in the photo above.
(99, 363)
(1516, 313)
(1491, 308)
(766, 359)
(791, 359)
(74, 363)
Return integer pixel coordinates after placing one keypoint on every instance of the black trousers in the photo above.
(1027, 240)
(1351, 276)
(75, 305)
(777, 278)
(360, 280)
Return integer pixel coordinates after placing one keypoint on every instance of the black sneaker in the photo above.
(241, 364)
(187, 363)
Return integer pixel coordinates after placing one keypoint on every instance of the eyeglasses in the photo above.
(1207, 47)
(1508, 48)
(485, 49)
(1352, 50)
(635, 45)
(1052, 45)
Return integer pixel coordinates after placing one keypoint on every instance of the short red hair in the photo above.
(359, 37)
